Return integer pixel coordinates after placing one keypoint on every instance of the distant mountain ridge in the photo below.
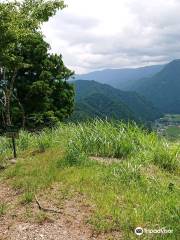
(160, 84)
(94, 99)
(121, 78)
(163, 89)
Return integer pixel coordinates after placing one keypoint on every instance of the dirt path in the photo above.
(27, 222)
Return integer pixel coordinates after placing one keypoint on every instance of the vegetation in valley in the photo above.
(173, 132)
(158, 84)
(93, 99)
(138, 187)
(169, 126)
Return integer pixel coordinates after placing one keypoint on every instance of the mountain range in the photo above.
(157, 87)
(121, 78)
(163, 89)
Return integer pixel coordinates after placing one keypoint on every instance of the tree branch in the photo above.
(46, 209)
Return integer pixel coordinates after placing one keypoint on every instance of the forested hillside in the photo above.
(101, 100)
(163, 89)
(160, 85)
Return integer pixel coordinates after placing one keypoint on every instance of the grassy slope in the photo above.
(140, 190)
(173, 132)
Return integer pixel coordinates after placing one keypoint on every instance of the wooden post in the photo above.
(12, 133)
(14, 146)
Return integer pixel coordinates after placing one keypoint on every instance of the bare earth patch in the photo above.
(106, 160)
(27, 222)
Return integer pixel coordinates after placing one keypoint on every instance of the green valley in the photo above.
(93, 99)
(169, 126)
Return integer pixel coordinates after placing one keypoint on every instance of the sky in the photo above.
(99, 34)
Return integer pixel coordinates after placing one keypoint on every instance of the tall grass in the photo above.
(37, 142)
(122, 141)
(139, 189)
(102, 139)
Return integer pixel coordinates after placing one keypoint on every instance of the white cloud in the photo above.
(93, 34)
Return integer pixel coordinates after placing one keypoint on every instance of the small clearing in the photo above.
(27, 222)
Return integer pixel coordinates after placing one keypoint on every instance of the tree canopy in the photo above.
(32, 81)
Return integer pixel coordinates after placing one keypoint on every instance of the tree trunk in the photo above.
(3, 119)
(7, 109)
(9, 93)
(23, 113)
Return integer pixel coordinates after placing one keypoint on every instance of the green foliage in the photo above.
(21, 20)
(103, 101)
(112, 139)
(122, 141)
(163, 88)
(166, 159)
(3, 208)
(173, 132)
(73, 158)
(45, 95)
(33, 87)
(128, 172)
(140, 189)
(27, 197)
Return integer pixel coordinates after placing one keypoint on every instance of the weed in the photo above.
(3, 208)
(27, 197)
(41, 217)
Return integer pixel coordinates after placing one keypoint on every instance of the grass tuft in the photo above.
(27, 198)
(3, 208)
(166, 158)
